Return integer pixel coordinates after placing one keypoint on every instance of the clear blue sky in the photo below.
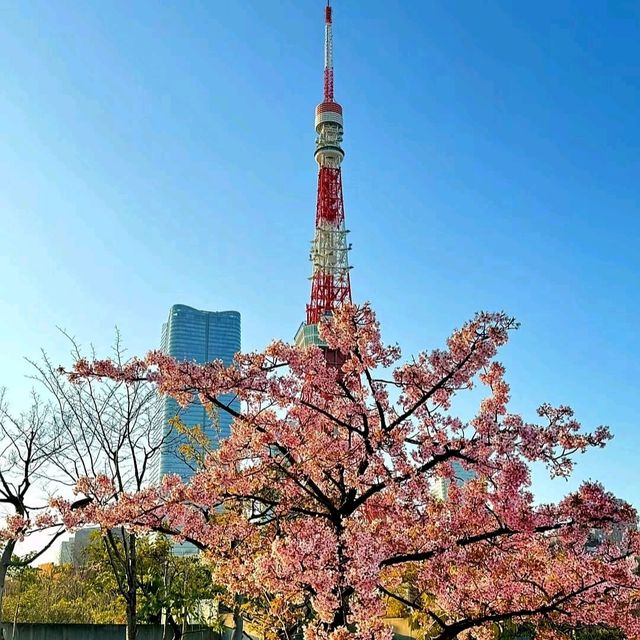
(156, 153)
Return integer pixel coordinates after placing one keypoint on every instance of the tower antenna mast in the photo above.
(328, 54)
(330, 280)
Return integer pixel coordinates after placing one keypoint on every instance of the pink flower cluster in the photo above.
(323, 496)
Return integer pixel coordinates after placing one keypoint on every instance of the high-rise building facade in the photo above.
(74, 550)
(65, 552)
(460, 476)
(197, 336)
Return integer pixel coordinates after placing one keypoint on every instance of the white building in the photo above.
(461, 475)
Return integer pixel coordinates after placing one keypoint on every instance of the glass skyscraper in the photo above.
(198, 336)
(460, 475)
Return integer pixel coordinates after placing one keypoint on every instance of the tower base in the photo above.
(307, 335)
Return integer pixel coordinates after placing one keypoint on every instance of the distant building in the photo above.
(65, 552)
(73, 551)
(197, 336)
(461, 475)
(617, 534)
(81, 541)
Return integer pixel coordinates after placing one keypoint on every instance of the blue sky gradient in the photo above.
(159, 153)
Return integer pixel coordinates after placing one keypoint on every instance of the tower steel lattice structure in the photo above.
(330, 280)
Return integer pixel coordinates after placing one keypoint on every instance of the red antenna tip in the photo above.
(327, 16)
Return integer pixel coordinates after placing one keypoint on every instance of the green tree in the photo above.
(59, 594)
(180, 587)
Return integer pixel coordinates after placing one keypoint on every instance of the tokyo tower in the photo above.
(330, 282)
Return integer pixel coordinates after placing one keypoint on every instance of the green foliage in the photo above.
(597, 633)
(181, 585)
(89, 594)
(60, 594)
(526, 631)
(509, 630)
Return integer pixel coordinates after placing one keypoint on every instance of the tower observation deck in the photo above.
(330, 281)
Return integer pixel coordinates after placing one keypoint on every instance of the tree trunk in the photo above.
(238, 620)
(175, 627)
(5, 561)
(129, 543)
(344, 590)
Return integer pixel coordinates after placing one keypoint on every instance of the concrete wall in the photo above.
(94, 632)
(401, 628)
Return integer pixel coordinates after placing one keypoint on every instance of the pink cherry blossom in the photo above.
(323, 496)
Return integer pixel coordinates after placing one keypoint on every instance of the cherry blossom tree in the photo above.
(321, 502)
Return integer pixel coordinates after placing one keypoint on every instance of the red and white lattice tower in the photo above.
(330, 283)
